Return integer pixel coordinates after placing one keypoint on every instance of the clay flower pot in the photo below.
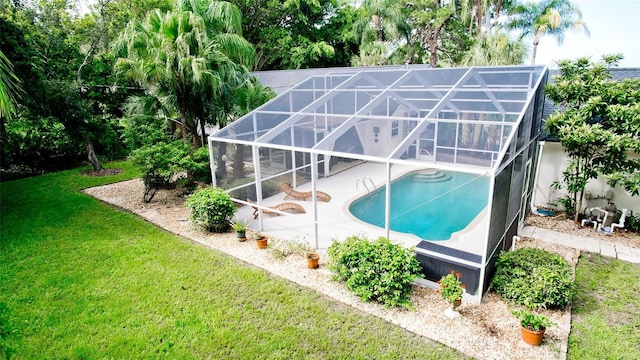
(263, 242)
(531, 337)
(313, 260)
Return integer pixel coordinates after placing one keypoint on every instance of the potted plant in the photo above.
(313, 260)
(532, 326)
(451, 290)
(240, 227)
(261, 240)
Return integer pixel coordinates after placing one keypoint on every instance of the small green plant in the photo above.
(281, 248)
(451, 288)
(257, 235)
(239, 226)
(532, 321)
(534, 278)
(211, 208)
(375, 270)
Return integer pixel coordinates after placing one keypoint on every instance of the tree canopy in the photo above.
(599, 126)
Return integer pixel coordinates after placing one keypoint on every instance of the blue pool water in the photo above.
(431, 206)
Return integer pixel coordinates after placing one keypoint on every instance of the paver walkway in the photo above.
(605, 248)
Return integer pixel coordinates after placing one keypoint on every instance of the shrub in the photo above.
(161, 162)
(534, 278)
(375, 270)
(201, 166)
(633, 222)
(211, 208)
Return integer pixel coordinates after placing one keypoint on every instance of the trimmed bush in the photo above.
(211, 208)
(160, 163)
(534, 278)
(375, 270)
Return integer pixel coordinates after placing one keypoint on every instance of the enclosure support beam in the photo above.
(212, 163)
(255, 152)
(387, 203)
(314, 199)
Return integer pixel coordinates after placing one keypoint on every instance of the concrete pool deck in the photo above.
(335, 220)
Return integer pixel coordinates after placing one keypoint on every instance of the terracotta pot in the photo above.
(531, 337)
(456, 304)
(263, 243)
(313, 260)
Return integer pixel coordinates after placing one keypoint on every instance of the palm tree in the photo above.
(8, 88)
(548, 17)
(494, 49)
(185, 58)
(381, 21)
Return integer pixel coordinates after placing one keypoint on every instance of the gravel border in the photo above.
(485, 331)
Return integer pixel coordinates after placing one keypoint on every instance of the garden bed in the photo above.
(486, 331)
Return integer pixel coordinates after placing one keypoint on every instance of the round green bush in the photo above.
(211, 208)
(534, 278)
(375, 270)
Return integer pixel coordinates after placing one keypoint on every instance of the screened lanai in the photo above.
(456, 147)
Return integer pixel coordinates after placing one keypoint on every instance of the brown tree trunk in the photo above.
(91, 153)
(183, 120)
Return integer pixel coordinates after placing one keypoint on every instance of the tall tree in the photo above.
(382, 20)
(428, 19)
(547, 17)
(296, 33)
(185, 57)
(599, 127)
(493, 49)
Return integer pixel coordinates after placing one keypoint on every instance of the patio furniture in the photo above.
(280, 207)
(291, 192)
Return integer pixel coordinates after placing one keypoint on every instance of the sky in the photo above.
(614, 26)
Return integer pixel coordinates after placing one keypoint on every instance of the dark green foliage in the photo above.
(161, 163)
(375, 270)
(534, 278)
(633, 222)
(201, 167)
(211, 208)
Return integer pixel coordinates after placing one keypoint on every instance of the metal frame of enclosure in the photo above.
(368, 128)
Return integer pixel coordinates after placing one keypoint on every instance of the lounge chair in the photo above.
(291, 192)
(280, 207)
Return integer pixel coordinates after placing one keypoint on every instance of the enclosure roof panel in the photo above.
(459, 115)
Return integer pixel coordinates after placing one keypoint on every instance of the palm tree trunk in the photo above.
(536, 41)
(183, 121)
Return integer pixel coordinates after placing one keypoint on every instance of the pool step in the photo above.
(430, 176)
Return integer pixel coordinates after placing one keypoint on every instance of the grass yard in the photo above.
(606, 310)
(82, 280)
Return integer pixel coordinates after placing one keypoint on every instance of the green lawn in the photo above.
(85, 281)
(606, 310)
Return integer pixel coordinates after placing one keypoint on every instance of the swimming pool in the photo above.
(430, 205)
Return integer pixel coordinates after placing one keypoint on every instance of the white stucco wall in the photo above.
(553, 161)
